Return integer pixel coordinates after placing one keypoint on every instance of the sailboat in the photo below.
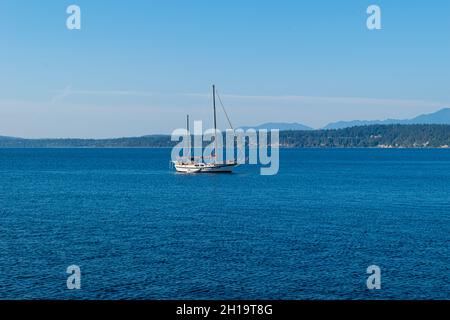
(189, 164)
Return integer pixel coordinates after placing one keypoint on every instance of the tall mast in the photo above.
(189, 138)
(215, 121)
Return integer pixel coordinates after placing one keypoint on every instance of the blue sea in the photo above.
(138, 230)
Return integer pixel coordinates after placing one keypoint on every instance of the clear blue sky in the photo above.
(137, 67)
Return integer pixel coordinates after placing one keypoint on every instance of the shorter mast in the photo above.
(215, 122)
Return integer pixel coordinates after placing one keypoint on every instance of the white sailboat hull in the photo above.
(186, 168)
(204, 168)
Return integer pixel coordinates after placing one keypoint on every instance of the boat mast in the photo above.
(215, 121)
(189, 138)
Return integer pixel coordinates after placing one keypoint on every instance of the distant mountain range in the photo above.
(440, 117)
(282, 126)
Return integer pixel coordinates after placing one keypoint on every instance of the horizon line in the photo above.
(246, 128)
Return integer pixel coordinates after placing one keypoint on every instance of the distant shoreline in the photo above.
(398, 136)
(283, 148)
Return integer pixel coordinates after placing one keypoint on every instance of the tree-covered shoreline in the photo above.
(372, 136)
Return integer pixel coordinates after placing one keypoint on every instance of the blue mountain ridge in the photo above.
(282, 126)
(440, 117)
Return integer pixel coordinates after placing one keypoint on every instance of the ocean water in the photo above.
(140, 231)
